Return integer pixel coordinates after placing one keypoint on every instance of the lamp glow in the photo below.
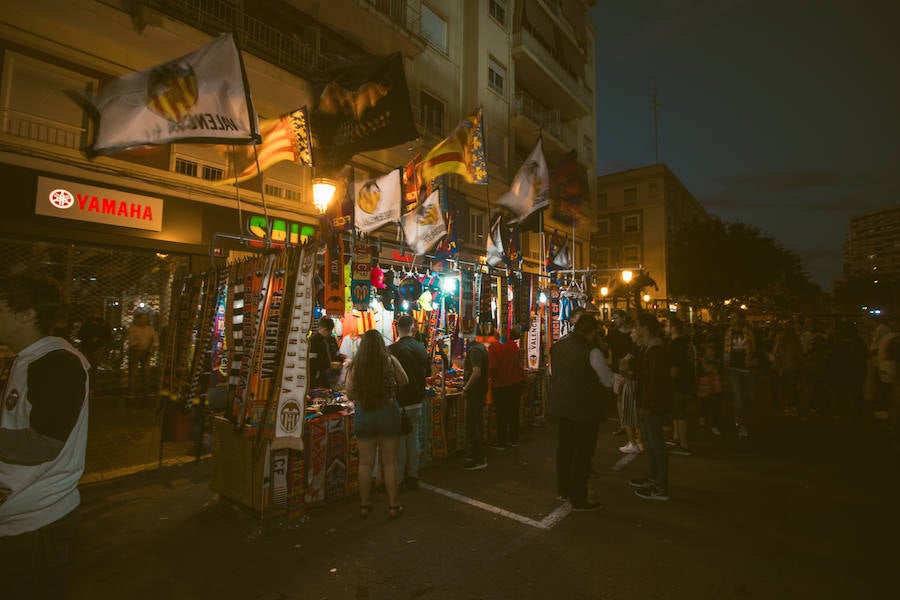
(626, 276)
(323, 192)
(646, 297)
(542, 298)
(604, 291)
(448, 285)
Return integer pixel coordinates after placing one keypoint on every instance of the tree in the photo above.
(714, 261)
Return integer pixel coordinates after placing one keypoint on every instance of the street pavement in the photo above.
(803, 510)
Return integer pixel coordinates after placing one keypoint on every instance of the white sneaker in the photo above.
(715, 431)
(629, 448)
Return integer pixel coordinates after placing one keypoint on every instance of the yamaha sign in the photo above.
(85, 202)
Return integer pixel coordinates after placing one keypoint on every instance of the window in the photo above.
(496, 76)
(603, 226)
(476, 227)
(601, 258)
(630, 196)
(602, 200)
(434, 29)
(631, 254)
(277, 191)
(432, 113)
(185, 167)
(497, 9)
(212, 173)
(631, 223)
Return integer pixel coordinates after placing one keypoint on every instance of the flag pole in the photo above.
(262, 195)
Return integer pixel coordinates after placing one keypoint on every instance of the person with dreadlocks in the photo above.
(373, 380)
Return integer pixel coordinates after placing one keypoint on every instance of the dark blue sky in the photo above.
(782, 114)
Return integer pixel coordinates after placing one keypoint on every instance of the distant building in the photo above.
(873, 244)
(636, 213)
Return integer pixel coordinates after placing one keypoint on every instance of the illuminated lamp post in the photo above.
(323, 192)
(626, 278)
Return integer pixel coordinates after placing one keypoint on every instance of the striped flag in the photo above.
(202, 98)
(462, 152)
(285, 138)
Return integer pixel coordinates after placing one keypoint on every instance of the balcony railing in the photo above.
(552, 58)
(255, 36)
(548, 119)
(39, 129)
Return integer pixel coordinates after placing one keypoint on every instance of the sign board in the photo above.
(87, 202)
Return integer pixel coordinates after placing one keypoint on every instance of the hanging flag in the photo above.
(202, 97)
(554, 243)
(378, 202)
(530, 189)
(361, 285)
(339, 214)
(362, 106)
(467, 304)
(462, 152)
(561, 259)
(568, 187)
(412, 185)
(424, 227)
(283, 139)
(513, 255)
(334, 275)
(494, 253)
(446, 249)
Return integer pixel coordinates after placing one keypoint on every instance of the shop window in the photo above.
(434, 28)
(496, 76)
(603, 226)
(631, 254)
(431, 113)
(497, 10)
(630, 196)
(631, 223)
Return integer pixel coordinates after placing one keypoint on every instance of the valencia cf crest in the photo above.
(12, 400)
(172, 90)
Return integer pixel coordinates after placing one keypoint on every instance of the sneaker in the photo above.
(562, 498)
(652, 493)
(715, 431)
(497, 446)
(671, 443)
(641, 482)
(586, 507)
(680, 451)
(514, 444)
(475, 466)
(629, 448)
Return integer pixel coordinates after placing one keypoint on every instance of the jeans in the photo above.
(408, 455)
(506, 399)
(33, 564)
(475, 426)
(575, 443)
(657, 454)
(743, 385)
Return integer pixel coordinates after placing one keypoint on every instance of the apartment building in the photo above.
(873, 244)
(636, 212)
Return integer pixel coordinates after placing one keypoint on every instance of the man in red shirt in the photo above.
(507, 379)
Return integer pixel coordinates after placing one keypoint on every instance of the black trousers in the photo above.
(33, 564)
(575, 443)
(475, 426)
(507, 399)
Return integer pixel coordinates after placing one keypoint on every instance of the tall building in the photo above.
(873, 244)
(636, 212)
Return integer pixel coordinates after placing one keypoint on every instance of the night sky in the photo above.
(780, 114)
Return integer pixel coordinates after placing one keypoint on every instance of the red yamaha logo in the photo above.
(61, 198)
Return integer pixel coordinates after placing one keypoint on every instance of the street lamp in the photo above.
(604, 291)
(626, 276)
(323, 192)
(646, 298)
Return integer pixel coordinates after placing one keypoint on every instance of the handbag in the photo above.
(405, 422)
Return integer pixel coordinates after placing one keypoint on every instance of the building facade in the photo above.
(873, 244)
(636, 213)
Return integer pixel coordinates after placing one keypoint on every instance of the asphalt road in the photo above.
(804, 510)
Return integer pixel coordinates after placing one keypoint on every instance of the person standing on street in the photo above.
(414, 359)
(618, 338)
(324, 358)
(579, 381)
(475, 387)
(507, 379)
(373, 380)
(43, 437)
(654, 402)
(740, 357)
(684, 379)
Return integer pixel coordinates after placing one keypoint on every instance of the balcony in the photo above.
(530, 116)
(42, 130)
(540, 68)
(378, 26)
(255, 36)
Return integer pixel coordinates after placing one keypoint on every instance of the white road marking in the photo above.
(546, 523)
(623, 461)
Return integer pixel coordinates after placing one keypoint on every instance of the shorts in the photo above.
(381, 422)
(679, 405)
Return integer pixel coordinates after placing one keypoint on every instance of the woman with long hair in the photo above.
(373, 379)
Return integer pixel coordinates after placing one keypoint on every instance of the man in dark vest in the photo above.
(579, 384)
(414, 358)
